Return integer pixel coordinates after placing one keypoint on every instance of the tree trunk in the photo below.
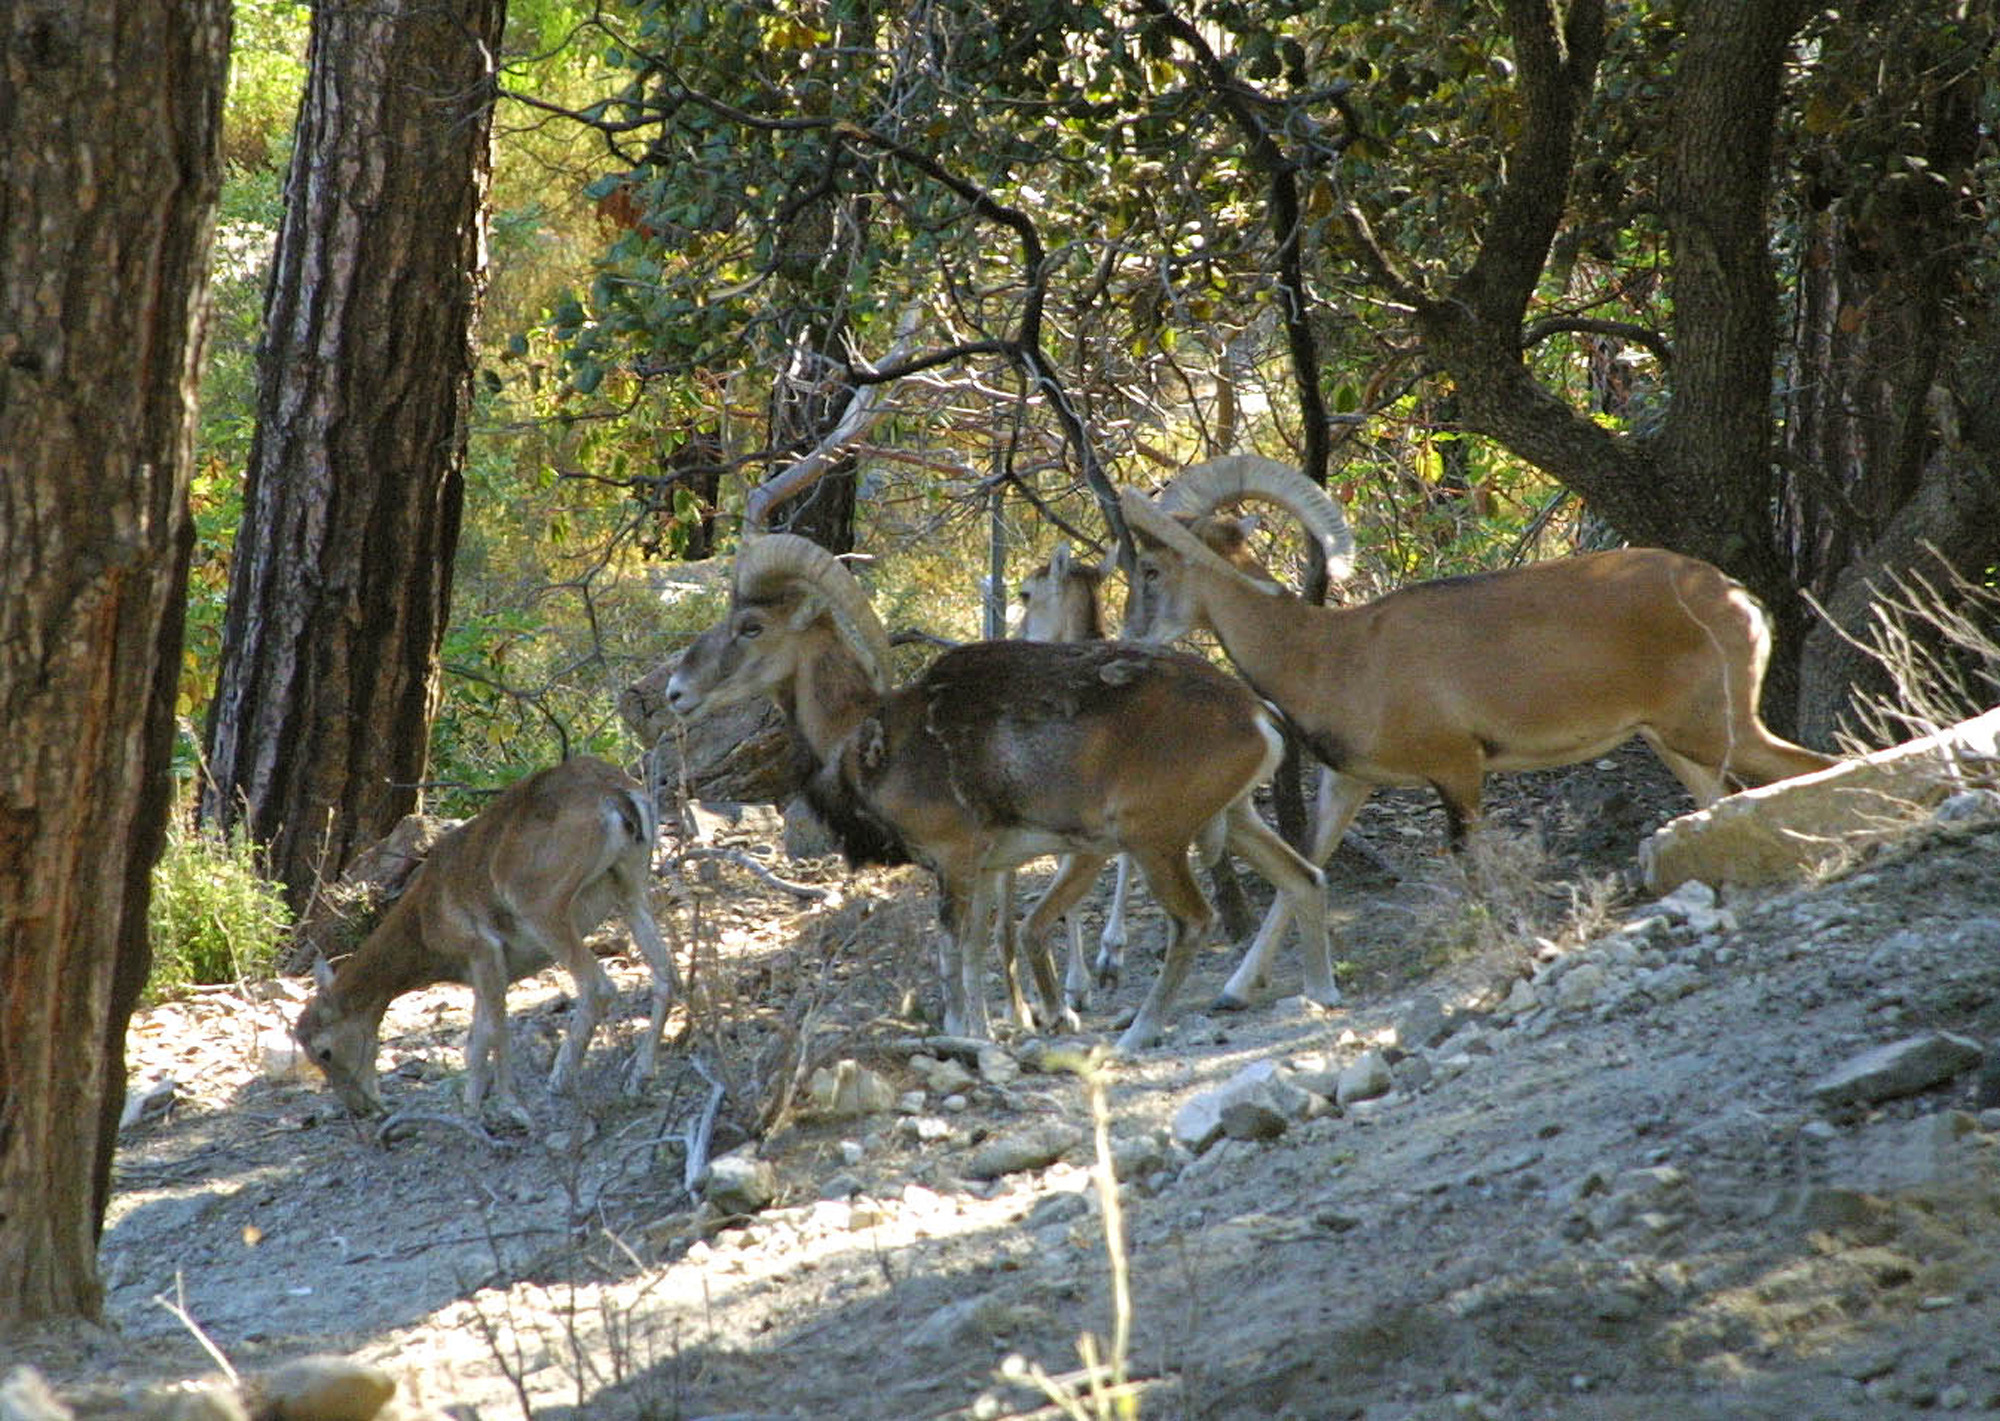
(804, 406)
(341, 584)
(1895, 364)
(103, 285)
(1714, 448)
(1703, 484)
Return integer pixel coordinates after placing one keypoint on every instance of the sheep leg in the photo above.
(1010, 949)
(1300, 885)
(487, 1061)
(967, 919)
(1226, 887)
(1111, 942)
(1340, 800)
(1188, 914)
(666, 986)
(1074, 875)
(593, 994)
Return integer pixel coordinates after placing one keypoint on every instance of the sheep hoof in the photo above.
(1136, 1039)
(1229, 1001)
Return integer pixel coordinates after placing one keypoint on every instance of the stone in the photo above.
(1424, 1023)
(1781, 831)
(25, 1396)
(156, 1097)
(343, 912)
(1669, 983)
(1580, 987)
(745, 753)
(998, 1067)
(1366, 1078)
(977, 1319)
(739, 1184)
(1968, 806)
(1252, 1120)
(848, 1089)
(1034, 1146)
(1900, 1068)
(324, 1388)
(1198, 1124)
(941, 1077)
(1898, 1156)
(1139, 1156)
(1413, 1073)
(1835, 1210)
(1691, 897)
(1521, 998)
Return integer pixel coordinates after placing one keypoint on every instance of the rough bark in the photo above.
(318, 732)
(1893, 456)
(104, 235)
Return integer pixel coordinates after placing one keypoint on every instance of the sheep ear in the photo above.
(1059, 561)
(322, 974)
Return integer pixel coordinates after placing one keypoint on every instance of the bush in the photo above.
(214, 916)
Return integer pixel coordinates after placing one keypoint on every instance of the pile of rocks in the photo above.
(308, 1389)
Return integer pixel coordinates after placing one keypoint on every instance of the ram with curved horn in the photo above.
(1440, 682)
(999, 753)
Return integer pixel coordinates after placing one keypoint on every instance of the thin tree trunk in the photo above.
(318, 733)
(103, 286)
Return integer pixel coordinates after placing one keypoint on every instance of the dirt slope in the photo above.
(1623, 1199)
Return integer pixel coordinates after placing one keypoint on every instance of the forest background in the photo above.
(1117, 241)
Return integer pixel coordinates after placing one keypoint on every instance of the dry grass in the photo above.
(1500, 901)
(1939, 642)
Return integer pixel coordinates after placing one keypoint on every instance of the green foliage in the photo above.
(266, 75)
(214, 917)
(706, 238)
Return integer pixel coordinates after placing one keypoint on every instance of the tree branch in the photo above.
(860, 415)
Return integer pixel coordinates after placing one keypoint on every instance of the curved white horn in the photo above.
(1206, 488)
(774, 561)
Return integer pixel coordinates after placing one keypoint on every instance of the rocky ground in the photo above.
(1563, 1154)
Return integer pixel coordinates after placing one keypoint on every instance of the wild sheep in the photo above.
(1440, 682)
(498, 898)
(999, 753)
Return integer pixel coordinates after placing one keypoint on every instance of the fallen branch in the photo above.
(430, 1117)
(809, 892)
(701, 1132)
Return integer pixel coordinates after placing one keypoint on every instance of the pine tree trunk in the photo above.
(341, 584)
(102, 288)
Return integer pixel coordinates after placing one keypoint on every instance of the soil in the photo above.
(1629, 1203)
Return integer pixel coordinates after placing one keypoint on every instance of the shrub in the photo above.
(214, 916)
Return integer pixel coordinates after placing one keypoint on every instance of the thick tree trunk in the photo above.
(1894, 370)
(341, 583)
(103, 283)
(1703, 484)
(1714, 449)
